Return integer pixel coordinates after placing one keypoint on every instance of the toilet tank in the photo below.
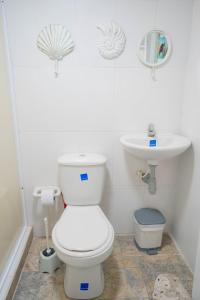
(81, 178)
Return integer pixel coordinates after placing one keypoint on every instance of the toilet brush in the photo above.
(48, 251)
(49, 261)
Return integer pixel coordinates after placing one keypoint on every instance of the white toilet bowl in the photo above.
(83, 237)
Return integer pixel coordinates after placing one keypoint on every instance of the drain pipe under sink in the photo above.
(149, 177)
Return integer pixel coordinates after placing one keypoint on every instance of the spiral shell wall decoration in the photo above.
(113, 40)
(55, 41)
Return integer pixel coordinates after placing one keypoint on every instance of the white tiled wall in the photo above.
(94, 101)
(186, 227)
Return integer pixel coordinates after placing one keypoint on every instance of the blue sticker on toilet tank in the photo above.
(84, 176)
(152, 143)
(84, 286)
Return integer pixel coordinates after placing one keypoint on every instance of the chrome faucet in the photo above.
(151, 130)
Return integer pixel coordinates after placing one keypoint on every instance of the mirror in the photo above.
(154, 48)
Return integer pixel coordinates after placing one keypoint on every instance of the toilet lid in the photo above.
(82, 228)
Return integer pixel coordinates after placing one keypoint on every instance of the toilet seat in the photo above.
(83, 236)
(82, 228)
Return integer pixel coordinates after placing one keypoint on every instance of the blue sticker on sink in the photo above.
(152, 143)
(84, 286)
(84, 176)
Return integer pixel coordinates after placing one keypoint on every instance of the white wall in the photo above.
(196, 286)
(94, 101)
(187, 220)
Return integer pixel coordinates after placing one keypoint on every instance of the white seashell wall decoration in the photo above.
(55, 41)
(113, 40)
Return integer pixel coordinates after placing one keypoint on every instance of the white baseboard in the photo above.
(13, 263)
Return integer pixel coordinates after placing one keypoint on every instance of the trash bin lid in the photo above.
(149, 216)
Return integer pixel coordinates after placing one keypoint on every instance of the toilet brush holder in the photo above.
(48, 261)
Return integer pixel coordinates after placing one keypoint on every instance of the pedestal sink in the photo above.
(154, 149)
(166, 146)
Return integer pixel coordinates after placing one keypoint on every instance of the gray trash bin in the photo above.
(149, 227)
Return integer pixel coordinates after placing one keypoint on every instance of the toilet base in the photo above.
(84, 283)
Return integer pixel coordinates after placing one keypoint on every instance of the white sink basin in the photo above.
(167, 146)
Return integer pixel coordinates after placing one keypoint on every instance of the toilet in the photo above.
(83, 237)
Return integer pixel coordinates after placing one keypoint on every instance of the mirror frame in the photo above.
(169, 52)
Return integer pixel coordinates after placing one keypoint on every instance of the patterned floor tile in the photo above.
(35, 246)
(129, 273)
(116, 247)
(59, 274)
(59, 293)
(136, 284)
(128, 247)
(168, 246)
(187, 285)
(113, 262)
(129, 262)
(115, 285)
(31, 263)
(46, 292)
(29, 286)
